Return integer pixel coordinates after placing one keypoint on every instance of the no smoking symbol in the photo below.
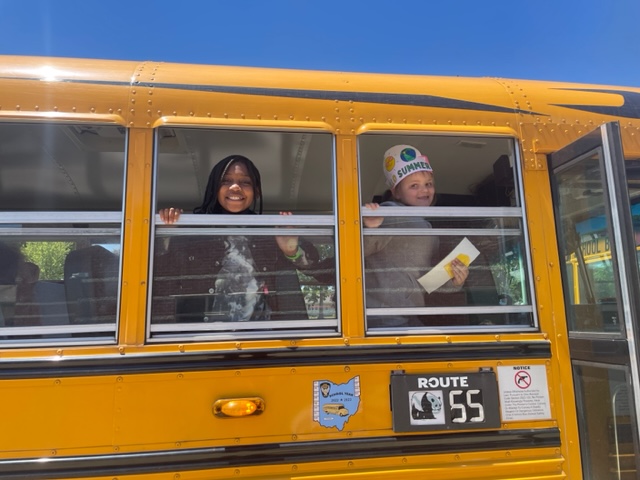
(523, 380)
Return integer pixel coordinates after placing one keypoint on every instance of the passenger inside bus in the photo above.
(233, 278)
(393, 264)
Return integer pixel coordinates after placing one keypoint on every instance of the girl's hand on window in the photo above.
(170, 215)
(288, 244)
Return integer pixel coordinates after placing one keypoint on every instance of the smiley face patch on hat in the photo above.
(401, 161)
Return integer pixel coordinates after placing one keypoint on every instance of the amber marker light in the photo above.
(238, 407)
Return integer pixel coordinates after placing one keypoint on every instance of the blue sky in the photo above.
(587, 41)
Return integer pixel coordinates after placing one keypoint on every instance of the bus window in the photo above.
(225, 275)
(60, 232)
(467, 206)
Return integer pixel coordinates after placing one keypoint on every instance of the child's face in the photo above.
(236, 189)
(416, 190)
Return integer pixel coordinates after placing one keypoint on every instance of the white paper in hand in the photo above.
(438, 276)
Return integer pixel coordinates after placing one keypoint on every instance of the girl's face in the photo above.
(417, 190)
(236, 192)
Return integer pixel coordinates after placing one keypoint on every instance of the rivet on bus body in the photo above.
(508, 454)
(236, 440)
(180, 376)
(54, 452)
(159, 112)
(181, 348)
(323, 118)
(497, 337)
(545, 336)
(178, 444)
(292, 343)
(346, 342)
(389, 120)
(236, 472)
(59, 352)
(448, 339)
(191, 114)
(294, 468)
(149, 112)
(275, 117)
(17, 107)
(148, 124)
(293, 371)
(36, 108)
(290, 117)
(456, 457)
(307, 118)
(404, 460)
(398, 341)
(209, 114)
(238, 345)
(121, 350)
(57, 382)
(55, 109)
(537, 278)
(347, 368)
(349, 464)
(294, 437)
(119, 379)
(449, 365)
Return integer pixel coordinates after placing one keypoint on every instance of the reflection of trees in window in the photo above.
(602, 275)
(49, 256)
(508, 274)
(319, 297)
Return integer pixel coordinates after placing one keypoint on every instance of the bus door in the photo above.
(591, 197)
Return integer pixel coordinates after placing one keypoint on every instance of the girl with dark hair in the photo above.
(235, 277)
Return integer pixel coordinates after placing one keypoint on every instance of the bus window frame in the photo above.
(13, 224)
(514, 147)
(267, 224)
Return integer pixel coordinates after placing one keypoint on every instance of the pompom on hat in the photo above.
(401, 161)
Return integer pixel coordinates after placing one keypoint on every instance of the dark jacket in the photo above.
(188, 276)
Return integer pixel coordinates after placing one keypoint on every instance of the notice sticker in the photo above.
(524, 392)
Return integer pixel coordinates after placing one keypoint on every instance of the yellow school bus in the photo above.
(119, 359)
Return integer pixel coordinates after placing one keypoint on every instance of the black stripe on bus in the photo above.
(630, 107)
(275, 454)
(405, 99)
(272, 358)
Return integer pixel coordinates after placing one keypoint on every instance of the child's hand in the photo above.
(372, 222)
(170, 215)
(460, 272)
(288, 244)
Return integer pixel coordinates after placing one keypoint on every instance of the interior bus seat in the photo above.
(26, 310)
(91, 285)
